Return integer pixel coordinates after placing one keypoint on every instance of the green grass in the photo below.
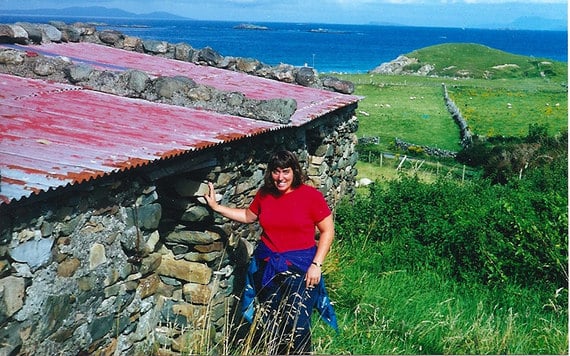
(426, 170)
(408, 107)
(388, 308)
(398, 311)
(411, 107)
(508, 110)
(424, 120)
(478, 61)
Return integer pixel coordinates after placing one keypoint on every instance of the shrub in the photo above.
(474, 155)
(478, 231)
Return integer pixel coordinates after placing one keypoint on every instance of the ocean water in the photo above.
(326, 47)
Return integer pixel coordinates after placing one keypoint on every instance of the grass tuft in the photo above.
(425, 312)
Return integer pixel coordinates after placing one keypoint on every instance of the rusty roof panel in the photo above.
(53, 134)
(311, 103)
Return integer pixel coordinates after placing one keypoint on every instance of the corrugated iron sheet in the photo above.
(53, 134)
(311, 103)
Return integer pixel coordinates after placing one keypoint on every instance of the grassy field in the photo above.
(409, 313)
(427, 171)
(408, 107)
(509, 109)
(411, 107)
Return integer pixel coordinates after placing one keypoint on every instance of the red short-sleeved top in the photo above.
(288, 220)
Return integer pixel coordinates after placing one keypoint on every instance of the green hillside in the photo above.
(478, 61)
(498, 93)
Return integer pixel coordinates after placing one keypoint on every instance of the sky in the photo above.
(438, 13)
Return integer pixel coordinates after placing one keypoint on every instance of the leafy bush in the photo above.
(477, 231)
(505, 158)
(474, 155)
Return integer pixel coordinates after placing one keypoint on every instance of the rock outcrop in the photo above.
(404, 65)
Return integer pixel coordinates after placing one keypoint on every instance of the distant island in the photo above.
(521, 23)
(94, 12)
(248, 26)
(325, 30)
(534, 22)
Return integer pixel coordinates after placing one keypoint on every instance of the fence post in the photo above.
(402, 162)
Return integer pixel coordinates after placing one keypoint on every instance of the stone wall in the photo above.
(466, 137)
(423, 149)
(134, 264)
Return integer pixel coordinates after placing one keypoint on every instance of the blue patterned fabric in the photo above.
(278, 263)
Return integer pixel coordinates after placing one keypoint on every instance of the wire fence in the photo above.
(403, 162)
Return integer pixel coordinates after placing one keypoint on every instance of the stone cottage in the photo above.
(106, 141)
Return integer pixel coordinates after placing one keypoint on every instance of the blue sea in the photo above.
(326, 47)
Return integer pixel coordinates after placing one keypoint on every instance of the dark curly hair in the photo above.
(283, 159)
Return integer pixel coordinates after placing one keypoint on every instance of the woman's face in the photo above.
(283, 179)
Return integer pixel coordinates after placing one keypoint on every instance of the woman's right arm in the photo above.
(236, 214)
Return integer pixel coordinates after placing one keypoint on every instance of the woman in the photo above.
(286, 267)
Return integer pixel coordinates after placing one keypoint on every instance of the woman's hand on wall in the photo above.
(236, 214)
(211, 197)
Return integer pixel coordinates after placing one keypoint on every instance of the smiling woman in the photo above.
(285, 273)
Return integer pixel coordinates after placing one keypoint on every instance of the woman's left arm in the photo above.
(326, 229)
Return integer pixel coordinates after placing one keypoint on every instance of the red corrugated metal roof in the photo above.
(311, 103)
(53, 134)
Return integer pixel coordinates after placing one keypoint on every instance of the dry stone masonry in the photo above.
(466, 137)
(181, 91)
(135, 263)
